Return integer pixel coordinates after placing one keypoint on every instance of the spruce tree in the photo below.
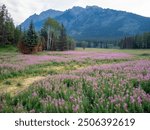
(17, 35)
(31, 37)
(6, 27)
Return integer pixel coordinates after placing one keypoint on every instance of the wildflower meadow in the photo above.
(80, 81)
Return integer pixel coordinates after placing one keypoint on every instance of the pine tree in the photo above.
(10, 30)
(6, 27)
(17, 35)
(2, 24)
(31, 37)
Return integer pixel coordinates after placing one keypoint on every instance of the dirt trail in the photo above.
(17, 85)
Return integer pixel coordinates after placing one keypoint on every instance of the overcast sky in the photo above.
(22, 9)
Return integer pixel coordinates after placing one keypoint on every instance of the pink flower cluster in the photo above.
(139, 70)
(19, 62)
(82, 55)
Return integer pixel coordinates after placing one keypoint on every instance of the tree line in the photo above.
(141, 41)
(98, 44)
(51, 37)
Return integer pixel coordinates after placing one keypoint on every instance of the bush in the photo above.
(29, 50)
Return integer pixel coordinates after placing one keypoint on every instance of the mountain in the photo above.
(94, 22)
(38, 20)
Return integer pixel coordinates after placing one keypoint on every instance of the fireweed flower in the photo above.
(34, 94)
(132, 99)
(75, 108)
(72, 99)
(139, 100)
(125, 106)
(32, 111)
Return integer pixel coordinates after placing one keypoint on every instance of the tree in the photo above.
(44, 37)
(6, 27)
(141, 41)
(54, 36)
(2, 25)
(63, 39)
(84, 44)
(148, 40)
(52, 28)
(17, 35)
(10, 30)
(31, 37)
(71, 44)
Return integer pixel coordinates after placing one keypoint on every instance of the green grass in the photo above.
(8, 49)
(129, 51)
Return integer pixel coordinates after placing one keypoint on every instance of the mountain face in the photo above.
(94, 22)
(38, 20)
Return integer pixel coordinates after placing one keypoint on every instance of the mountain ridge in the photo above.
(94, 22)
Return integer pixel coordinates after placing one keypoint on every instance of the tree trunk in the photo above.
(48, 39)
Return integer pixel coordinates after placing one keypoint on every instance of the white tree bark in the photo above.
(48, 39)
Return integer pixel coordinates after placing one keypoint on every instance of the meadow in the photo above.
(90, 80)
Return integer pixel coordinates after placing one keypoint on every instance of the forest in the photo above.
(52, 36)
(140, 41)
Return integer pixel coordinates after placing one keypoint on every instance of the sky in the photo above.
(22, 9)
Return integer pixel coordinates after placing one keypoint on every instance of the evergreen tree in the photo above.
(17, 35)
(6, 27)
(31, 36)
(10, 30)
(141, 41)
(2, 24)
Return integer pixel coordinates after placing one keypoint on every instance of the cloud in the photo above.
(22, 9)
